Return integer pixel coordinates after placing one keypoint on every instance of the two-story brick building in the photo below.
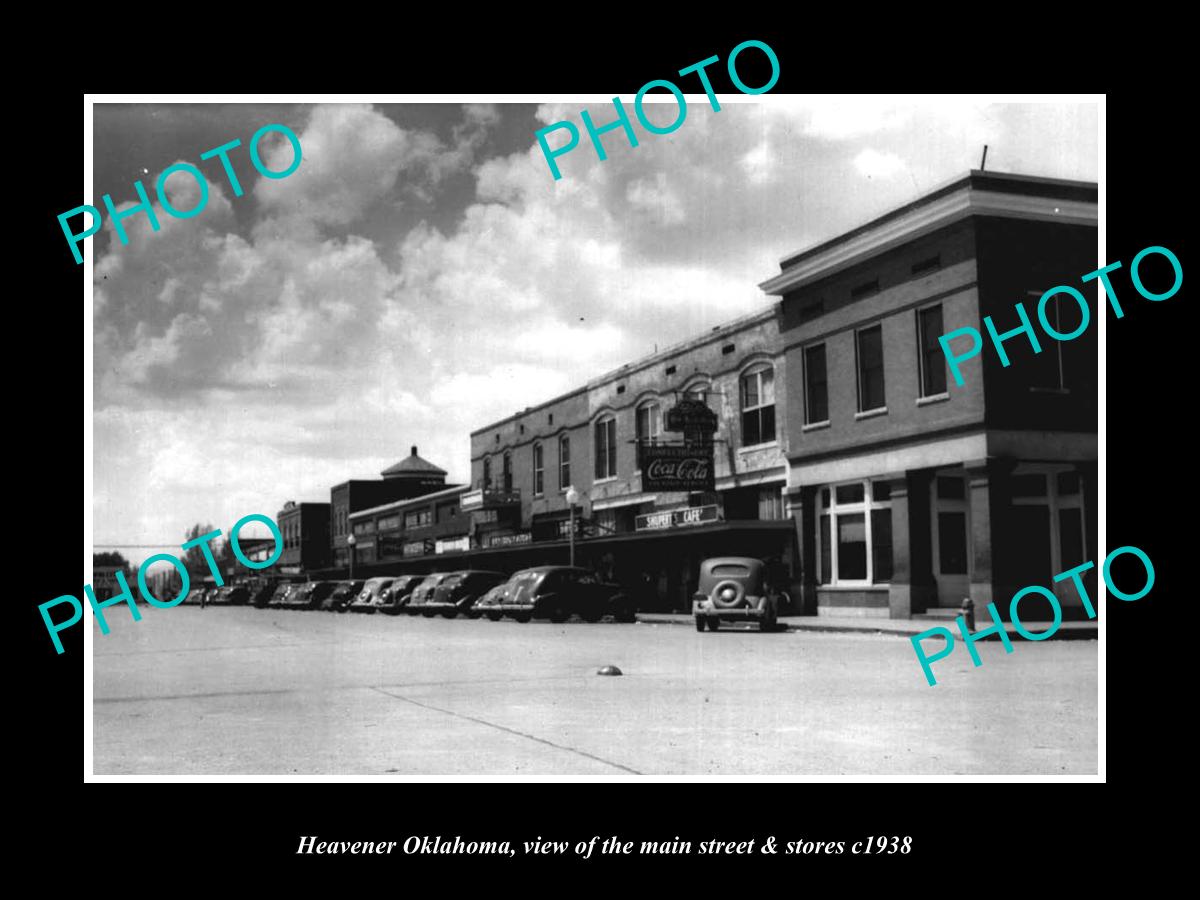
(523, 465)
(908, 492)
(305, 530)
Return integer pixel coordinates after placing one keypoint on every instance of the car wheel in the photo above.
(558, 615)
(473, 614)
(429, 613)
(626, 615)
(714, 623)
(767, 622)
(522, 616)
(699, 623)
(495, 616)
(450, 613)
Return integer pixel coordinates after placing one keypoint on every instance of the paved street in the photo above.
(234, 690)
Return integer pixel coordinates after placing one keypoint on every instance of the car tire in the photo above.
(714, 623)
(449, 613)
(473, 614)
(739, 594)
(429, 613)
(592, 615)
(559, 615)
(767, 622)
(495, 616)
(699, 623)
(522, 616)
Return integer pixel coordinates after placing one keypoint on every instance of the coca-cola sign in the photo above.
(674, 468)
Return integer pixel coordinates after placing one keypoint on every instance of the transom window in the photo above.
(698, 392)
(758, 406)
(606, 448)
(855, 534)
(538, 469)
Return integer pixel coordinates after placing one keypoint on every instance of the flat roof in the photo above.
(412, 501)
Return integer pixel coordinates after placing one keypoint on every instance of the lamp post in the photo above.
(572, 499)
(350, 542)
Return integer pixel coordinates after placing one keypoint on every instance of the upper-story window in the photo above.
(758, 406)
(418, 518)
(507, 472)
(539, 470)
(564, 462)
(931, 361)
(869, 349)
(606, 448)
(816, 386)
(1046, 370)
(487, 473)
(698, 392)
(649, 421)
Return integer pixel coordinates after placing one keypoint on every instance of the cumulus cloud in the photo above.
(874, 164)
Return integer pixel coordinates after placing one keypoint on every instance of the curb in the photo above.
(1069, 631)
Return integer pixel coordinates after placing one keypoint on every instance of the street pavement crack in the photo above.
(478, 721)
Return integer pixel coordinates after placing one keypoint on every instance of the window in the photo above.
(1055, 493)
(564, 462)
(606, 448)
(770, 503)
(507, 472)
(870, 369)
(855, 534)
(487, 473)
(649, 422)
(816, 386)
(930, 359)
(1046, 368)
(758, 406)
(418, 518)
(538, 470)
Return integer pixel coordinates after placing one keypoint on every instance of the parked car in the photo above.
(558, 592)
(422, 594)
(342, 596)
(263, 594)
(490, 604)
(394, 598)
(368, 597)
(230, 595)
(734, 589)
(458, 591)
(279, 598)
(310, 594)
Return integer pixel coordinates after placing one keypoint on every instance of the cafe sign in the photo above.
(674, 518)
(670, 467)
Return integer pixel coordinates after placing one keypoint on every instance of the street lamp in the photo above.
(572, 499)
(350, 542)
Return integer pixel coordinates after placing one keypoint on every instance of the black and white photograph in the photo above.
(711, 435)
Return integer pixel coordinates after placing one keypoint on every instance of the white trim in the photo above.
(920, 455)
(815, 426)
(932, 398)
(627, 500)
(925, 219)
(749, 448)
(870, 413)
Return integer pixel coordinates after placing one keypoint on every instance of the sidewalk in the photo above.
(1067, 631)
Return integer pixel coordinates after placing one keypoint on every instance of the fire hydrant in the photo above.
(967, 610)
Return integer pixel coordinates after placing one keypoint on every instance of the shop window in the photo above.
(758, 406)
(816, 386)
(606, 448)
(1048, 513)
(855, 536)
(870, 369)
(538, 470)
(564, 462)
(930, 359)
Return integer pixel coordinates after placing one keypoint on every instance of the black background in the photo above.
(966, 835)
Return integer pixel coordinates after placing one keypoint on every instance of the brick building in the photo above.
(306, 538)
(908, 492)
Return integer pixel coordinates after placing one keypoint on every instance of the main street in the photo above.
(236, 690)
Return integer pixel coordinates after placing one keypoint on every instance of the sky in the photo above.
(422, 273)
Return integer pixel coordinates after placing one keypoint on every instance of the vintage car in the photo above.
(230, 595)
(558, 592)
(368, 598)
(422, 594)
(309, 595)
(342, 596)
(735, 589)
(262, 595)
(394, 598)
(282, 590)
(458, 591)
(490, 603)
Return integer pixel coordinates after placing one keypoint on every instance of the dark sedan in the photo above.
(558, 592)
(342, 596)
(368, 598)
(458, 591)
(423, 593)
(310, 594)
(394, 598)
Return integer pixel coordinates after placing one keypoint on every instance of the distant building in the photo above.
(306, 537)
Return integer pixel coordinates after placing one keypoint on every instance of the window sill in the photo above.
(751, 447)
(1049, 390)
(870, 413)
(815, 426)
(608, 480)
(933, 398)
